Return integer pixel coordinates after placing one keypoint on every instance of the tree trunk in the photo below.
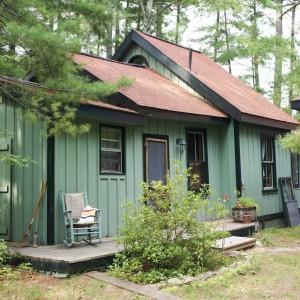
(278, 58)
(227, 41)
(159, 25)
(109, 47)
(147, 13)
(292, 56)
(217, 35)
(255, 58)
(117, 24)
(178, 13)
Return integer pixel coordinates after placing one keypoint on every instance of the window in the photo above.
(197, 161)
(111, 145)
(295, 170)
(268, 163)
(139, 60)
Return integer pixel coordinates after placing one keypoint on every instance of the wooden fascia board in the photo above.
(123, 101)
(251, 119)
(179, 116)
(123, 47)
(109, 115)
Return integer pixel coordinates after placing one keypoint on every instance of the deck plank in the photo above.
(233, 243)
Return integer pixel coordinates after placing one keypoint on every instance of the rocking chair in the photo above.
(75, 215)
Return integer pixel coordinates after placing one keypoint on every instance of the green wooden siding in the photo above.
(249, 148)
(26, 140)
(251, 168)
(77, 167)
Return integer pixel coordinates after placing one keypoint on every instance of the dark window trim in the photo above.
(159, 137)
(270, 191)
(296, 186)
(50, 190)
(123, 149)
(204, 132)
(274, 189)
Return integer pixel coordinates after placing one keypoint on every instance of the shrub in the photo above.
(166, 239)
(5, 255)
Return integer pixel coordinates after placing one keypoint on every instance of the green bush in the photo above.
(166, 239)
(5, 256)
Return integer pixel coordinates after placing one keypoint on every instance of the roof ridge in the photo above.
(112, 60)
(160, 39)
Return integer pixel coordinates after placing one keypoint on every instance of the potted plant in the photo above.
(244, 209)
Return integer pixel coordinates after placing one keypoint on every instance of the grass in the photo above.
(269, 275)
(280, 237)
(32, 285)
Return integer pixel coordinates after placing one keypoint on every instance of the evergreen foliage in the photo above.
(37, 42)
(291, 141)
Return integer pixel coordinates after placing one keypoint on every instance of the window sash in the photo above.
(295, 169)
(268, 163)
(111, 159)
(196, 158)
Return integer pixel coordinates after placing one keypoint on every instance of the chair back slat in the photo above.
(75, 203)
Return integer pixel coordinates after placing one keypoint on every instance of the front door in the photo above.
(5, 192)
(156, 159)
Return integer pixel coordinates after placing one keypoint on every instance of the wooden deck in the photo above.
(83, 257)
(61, 259)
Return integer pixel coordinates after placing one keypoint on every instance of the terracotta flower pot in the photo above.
(239, 212)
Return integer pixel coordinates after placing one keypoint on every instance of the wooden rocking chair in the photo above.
(73, 209)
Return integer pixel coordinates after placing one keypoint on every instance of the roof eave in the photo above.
(246, 118)
(109, 115)
(180, 116)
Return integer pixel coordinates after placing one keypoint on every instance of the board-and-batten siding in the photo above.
(77, 167)
(251, 169)
(26, 140)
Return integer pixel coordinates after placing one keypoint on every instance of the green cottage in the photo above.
(181, 106)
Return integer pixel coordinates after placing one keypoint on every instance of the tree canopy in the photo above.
(38, 39)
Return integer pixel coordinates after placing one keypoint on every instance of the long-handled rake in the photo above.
(24, 241)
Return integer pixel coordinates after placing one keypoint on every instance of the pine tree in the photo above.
(37, 42)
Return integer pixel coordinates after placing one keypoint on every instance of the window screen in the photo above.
(111, 158)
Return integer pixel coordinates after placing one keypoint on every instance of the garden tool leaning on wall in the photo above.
(24, 241)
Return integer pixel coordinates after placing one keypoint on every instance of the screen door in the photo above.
(156, 159)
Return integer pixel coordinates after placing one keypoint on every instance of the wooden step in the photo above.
(234, 243)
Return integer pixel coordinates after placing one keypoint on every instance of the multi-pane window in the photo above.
(111, 158)
(196, 158)
(295, 170)
(268, 162)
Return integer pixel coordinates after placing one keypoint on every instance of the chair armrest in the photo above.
(67, 212)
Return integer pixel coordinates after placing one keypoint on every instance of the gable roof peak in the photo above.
(112, 60)
(165, 41)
